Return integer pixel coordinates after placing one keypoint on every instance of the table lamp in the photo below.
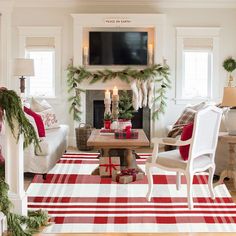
(23, 67)
(229, 100)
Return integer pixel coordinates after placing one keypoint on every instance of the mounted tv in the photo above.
(118, 48)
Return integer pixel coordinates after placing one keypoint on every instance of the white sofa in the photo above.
(53, 146)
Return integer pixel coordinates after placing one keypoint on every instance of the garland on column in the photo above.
(156, 74)
(11, 110)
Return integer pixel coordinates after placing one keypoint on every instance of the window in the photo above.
(197, 74)
(43, 83)
(197, 64)
(43, 44)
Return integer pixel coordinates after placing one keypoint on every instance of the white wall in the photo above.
(225, 19)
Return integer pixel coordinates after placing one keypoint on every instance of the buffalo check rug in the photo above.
(78, 202)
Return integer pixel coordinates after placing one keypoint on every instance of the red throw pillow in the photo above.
(38, 121)
(186, 134)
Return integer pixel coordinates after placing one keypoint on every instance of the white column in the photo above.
(5, 46)
(14, 172)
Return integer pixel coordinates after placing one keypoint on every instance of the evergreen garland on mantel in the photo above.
(159, 73)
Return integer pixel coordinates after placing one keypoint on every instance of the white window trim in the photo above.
(41, 31)
(197, 32)
(54, 70)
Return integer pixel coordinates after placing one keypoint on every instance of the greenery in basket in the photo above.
(107, 116)
(11, 110)
(126, 109)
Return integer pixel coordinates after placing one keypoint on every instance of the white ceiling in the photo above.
(157, 3)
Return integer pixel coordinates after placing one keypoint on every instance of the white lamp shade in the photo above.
(23, 67)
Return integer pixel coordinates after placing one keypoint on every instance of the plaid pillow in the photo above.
(198, 106)
(186, 117)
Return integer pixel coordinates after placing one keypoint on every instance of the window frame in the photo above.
(43, 49)
(210, 72)
(38, 31)
(183, 33)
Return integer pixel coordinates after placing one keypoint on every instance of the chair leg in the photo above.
(150, 181)
(178, 180)
(189, 178)
(210, 181)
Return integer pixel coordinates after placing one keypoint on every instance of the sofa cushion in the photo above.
(49, 119)
(186, 134)
(38, 106)
(186, 117)
(52, 140)
(38, 120)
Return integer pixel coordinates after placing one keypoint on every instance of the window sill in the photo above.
(182, 101)
(51, 100)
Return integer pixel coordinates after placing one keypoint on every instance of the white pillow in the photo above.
(38, 106)
(49, 119)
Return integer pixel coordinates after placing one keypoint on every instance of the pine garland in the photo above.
(10, 103)
(11, 109)
(160, 73)
(15, 222)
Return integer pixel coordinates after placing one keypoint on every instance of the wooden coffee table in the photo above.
(107, 142)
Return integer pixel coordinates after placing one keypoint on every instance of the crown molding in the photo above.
(156, 3)
(6, 6)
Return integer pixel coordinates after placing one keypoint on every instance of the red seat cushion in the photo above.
(38, 121)
(186, 134)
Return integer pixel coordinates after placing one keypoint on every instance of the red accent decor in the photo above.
(126, 133)
(109, 166)
(186, 134)
(38, 121)
(107, 124)
(124, 172)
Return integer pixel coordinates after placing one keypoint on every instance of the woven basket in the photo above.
(82, 134)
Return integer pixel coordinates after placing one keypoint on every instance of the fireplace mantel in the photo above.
(82, 23)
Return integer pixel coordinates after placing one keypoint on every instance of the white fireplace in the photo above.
(154, 24)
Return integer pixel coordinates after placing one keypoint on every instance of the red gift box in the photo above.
(109, 165)
(126, 133)
(127, 176)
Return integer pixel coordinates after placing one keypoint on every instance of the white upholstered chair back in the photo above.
(205, 133)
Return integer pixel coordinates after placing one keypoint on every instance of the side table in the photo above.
(230, 172)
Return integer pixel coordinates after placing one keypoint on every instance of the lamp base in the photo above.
(230, 121)
(22, 84)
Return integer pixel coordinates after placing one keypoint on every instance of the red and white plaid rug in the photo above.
(78, 202)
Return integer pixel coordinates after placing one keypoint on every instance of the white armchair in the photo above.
(201, 153)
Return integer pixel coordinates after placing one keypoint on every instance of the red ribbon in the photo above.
(109, 166)
(127, 172)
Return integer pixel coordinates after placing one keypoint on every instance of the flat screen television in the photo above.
(118, 48)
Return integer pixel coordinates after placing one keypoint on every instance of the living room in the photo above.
(175, 59)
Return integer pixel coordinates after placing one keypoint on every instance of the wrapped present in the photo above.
(109, 165)
(127, 176)
(126, 133)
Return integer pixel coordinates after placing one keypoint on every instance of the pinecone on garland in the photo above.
(126, 109)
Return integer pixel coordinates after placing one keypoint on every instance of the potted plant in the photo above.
(126, 110)
(229, 65)
(107, 120)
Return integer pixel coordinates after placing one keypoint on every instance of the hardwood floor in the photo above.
(228, 183)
